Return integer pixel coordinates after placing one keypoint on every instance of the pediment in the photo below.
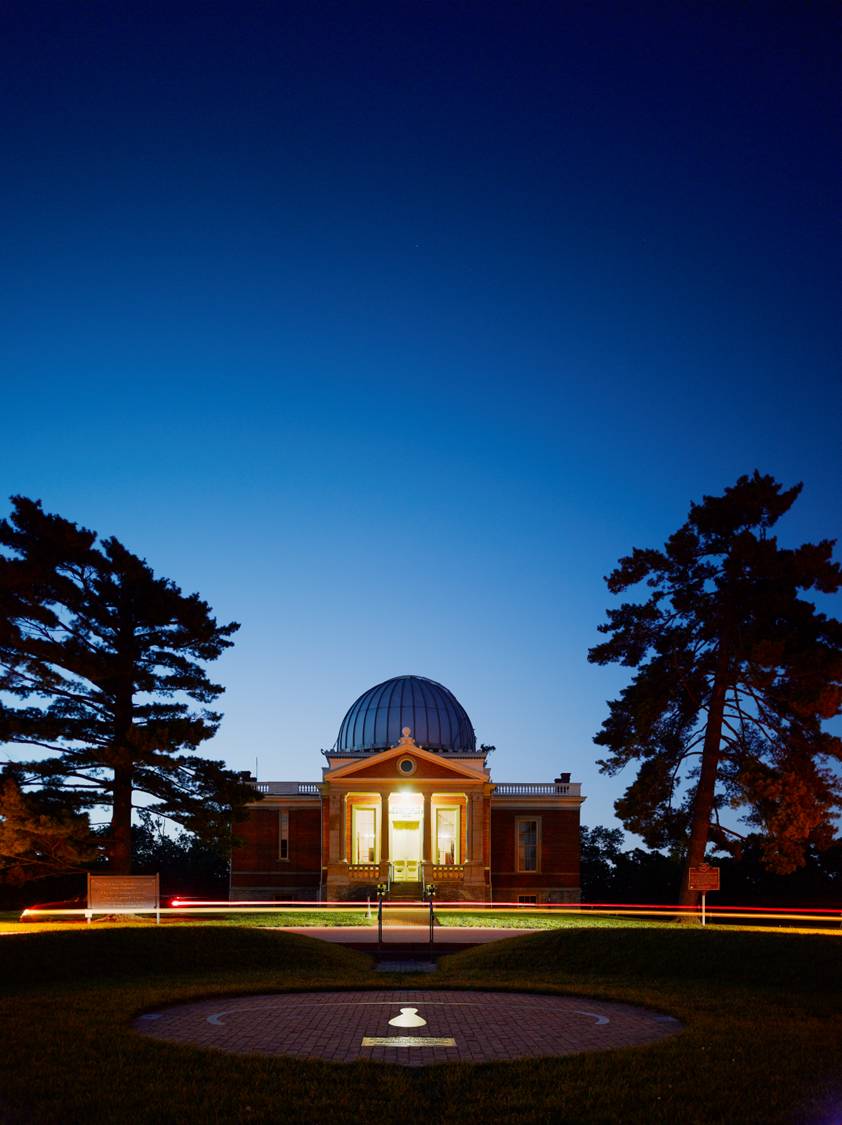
(384, 765)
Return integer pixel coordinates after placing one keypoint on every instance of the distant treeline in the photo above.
(187, 866)
(610, 874)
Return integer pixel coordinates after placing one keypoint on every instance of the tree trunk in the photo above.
(705, 790)
(120, 845)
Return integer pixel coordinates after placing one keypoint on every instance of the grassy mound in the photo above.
(761, 1042)
(149, 952)
(654, 956)
(763, 1030)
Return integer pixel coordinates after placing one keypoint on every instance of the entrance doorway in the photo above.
(406, 836)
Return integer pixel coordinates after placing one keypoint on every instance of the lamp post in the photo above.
(381, 890)
(430, 891)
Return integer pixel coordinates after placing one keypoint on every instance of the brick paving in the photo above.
(484, 1026)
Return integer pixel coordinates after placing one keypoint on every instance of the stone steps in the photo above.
(410, 892)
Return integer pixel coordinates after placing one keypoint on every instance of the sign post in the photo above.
(123, 894)
(703, 878)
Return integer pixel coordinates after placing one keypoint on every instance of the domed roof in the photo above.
(435, 717)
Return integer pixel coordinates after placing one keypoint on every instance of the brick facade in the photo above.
(258, 872)
(557, 878)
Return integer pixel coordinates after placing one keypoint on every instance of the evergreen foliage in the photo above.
(610, 874)
(736, 674)
(39, 835)
(107, 661)
(187, 865)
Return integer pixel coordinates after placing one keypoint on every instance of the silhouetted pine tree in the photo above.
(733, 669)
(106, 658)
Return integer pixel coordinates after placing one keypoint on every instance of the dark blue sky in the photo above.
(389, 327)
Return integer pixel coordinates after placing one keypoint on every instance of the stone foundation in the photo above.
(542, 894)
(274, 894)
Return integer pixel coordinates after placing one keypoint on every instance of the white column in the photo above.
(384, 827)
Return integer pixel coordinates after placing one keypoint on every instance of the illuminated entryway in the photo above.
(406, 836)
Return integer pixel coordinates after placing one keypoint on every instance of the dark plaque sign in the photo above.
(703, 878)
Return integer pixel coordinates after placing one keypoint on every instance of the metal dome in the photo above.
(435, 717)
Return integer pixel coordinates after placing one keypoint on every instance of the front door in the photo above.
(406, 836)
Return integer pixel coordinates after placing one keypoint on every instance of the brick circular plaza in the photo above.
(410, 1027)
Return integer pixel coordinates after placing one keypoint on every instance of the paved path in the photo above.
(411, 1027)
(405, 935)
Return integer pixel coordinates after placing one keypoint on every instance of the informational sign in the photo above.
(122, 894)
(703, 878)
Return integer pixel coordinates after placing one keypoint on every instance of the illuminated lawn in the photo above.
(10, 922)
(546, 920)
(503, 919)
(763, 1041)
(522, 920)
(357, 916)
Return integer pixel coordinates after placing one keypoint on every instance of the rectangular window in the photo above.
(364, 837)
(448, 833)
(283, 834)
(527, 898)
(527, 844)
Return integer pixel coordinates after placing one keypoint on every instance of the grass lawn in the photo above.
(513, 919)
(522, 920)
(542, 920)
(10, 921)
(763, 1037)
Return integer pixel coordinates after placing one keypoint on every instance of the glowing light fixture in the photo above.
(408, 1018)
(405, 799)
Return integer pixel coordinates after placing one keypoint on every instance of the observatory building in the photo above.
(406, 799)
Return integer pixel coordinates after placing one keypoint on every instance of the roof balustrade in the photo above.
(501, 789)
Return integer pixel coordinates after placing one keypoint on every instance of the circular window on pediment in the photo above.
(406, 766)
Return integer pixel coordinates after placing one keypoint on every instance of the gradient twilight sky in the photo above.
(389, 327)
